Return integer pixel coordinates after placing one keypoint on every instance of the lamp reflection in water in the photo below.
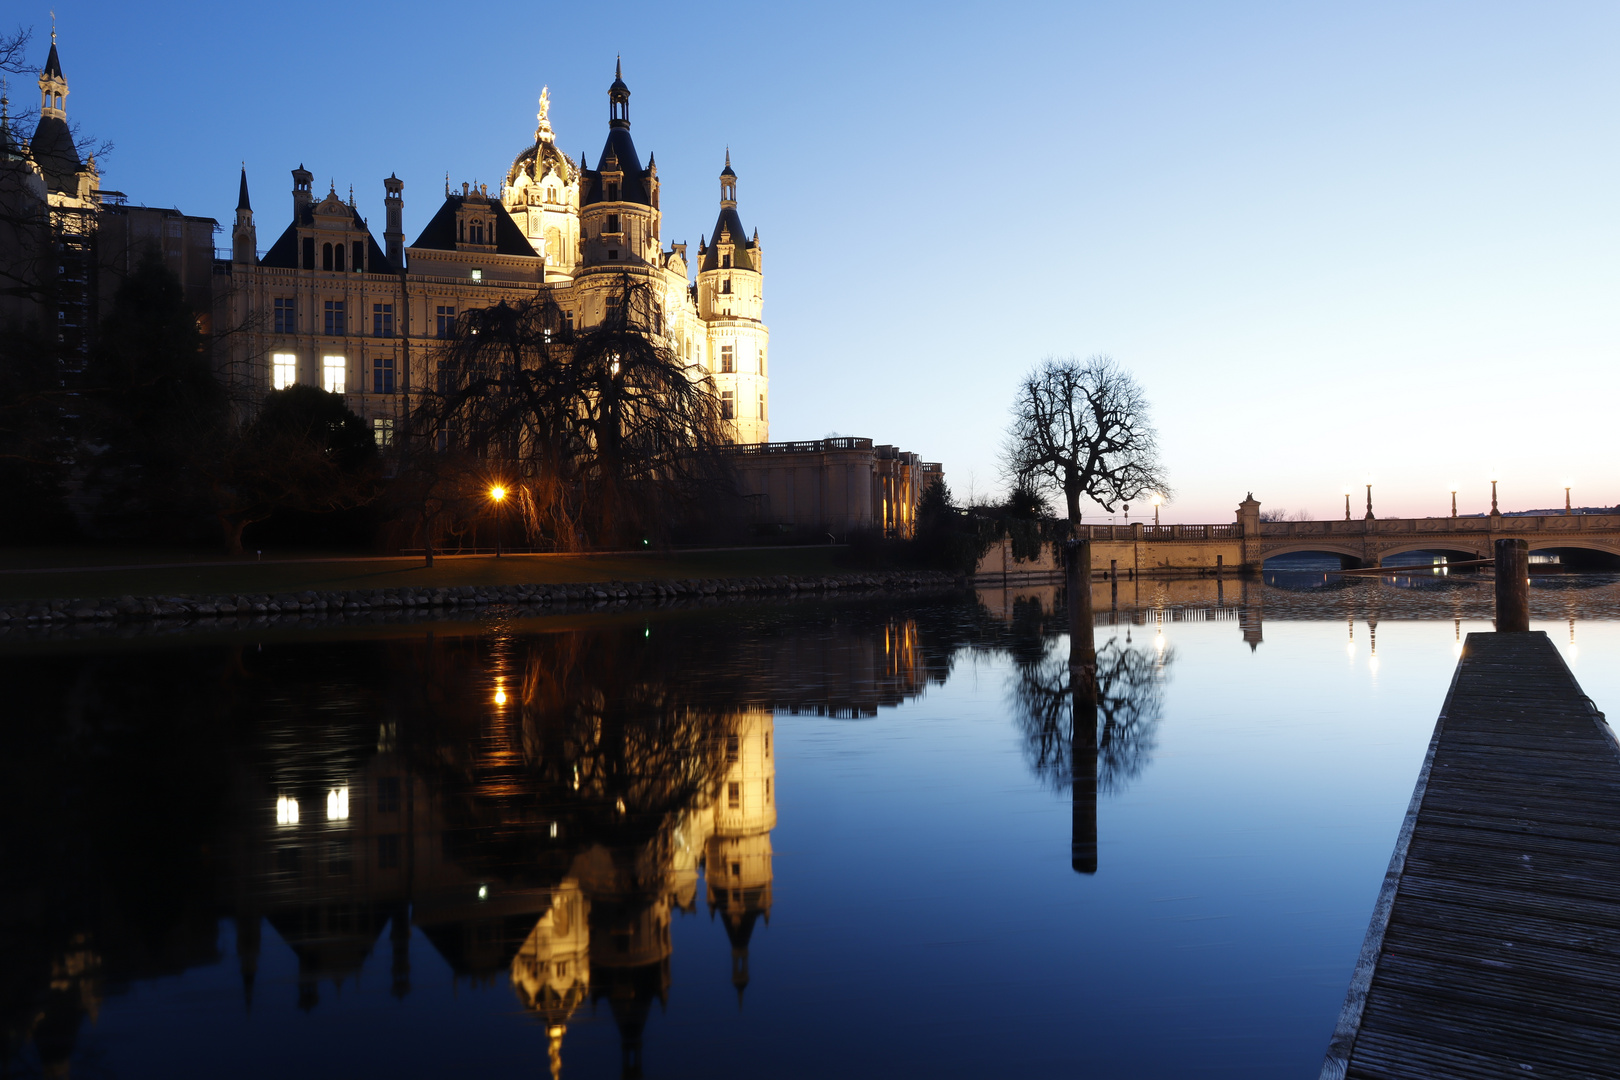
(1572, 650)
(1372, 645)
(1350, 645)
(1457, 645)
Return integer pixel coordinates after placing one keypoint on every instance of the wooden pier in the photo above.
(1494, 948)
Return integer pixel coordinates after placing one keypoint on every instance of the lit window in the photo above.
(382, 429)
(337, 804)
(477, 274)
(283, 370)
(286, 810)
(334, 372)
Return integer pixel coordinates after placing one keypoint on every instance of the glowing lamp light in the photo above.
(483, 892)
(337, 804)
(286, 810)
(497, 493)
(500, 697)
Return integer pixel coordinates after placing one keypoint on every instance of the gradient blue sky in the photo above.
(1331, 240)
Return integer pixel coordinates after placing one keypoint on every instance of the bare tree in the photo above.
(1081, 428)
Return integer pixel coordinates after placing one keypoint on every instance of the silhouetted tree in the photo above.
(1081, 428)
(305, 451)
(610, 436)
(154, 413)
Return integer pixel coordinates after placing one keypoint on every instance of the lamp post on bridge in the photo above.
(1369, 499)
(1495, 513)
(1157, 499)
(1347, 502)
(497, 495)
(1453, 500)
(1567, 510)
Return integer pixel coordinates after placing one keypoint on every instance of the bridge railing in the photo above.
(1533, 523)
(1164, 533)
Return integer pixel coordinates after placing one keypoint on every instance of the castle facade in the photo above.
(327, 305)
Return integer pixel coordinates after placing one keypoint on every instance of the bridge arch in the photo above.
(1581, 554)
(1349, 555)
(1452, 550)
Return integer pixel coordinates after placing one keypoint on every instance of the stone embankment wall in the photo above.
(1130, 557)
(22, 616)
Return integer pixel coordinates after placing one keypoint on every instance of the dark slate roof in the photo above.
(440, 233)
(740, 259)
(53, 64)
(241, 193)
(633, 188)
(284, 252)
(54, 152)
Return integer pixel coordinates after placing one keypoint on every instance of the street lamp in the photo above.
(1494, 511)
(497, 495)
(1369, 498)
(1347, 502)
(1453, 498)
(1567, 510)
(1157, 499)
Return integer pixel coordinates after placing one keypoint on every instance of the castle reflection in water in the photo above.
(537, 803)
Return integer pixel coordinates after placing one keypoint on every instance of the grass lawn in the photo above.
(89, 573)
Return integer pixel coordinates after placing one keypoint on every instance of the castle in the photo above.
(326, 305)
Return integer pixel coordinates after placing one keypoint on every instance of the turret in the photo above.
(619, 215)
(394, 214)
(52, 146)
(53, 87)
(303, 193)
(244, 238)
(730, 292)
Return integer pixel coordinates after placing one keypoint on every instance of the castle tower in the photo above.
(542, 195)
(731, 304)
(244, 238)
(394, 215)
(71, 182)
(619, 216)
(303, 193)
(737, 858)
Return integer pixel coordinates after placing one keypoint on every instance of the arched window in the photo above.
(58, 101)
(337, 257)
(326, 256)
(461, 232)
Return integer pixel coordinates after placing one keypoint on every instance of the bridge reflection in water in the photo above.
(537, 804)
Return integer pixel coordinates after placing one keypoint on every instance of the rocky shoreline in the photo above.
(328, 606)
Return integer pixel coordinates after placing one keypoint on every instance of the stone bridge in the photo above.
(1248, 542)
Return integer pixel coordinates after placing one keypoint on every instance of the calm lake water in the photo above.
(833, 837)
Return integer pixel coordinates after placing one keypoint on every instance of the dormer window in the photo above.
(612, 192)
(725, 264)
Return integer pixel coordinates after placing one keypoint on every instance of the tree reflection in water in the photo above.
(1087, 743)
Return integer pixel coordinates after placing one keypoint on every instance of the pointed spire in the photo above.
(242, 202)
(618, 72)
(8, 147)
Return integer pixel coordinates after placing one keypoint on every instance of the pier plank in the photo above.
(1495, 945)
